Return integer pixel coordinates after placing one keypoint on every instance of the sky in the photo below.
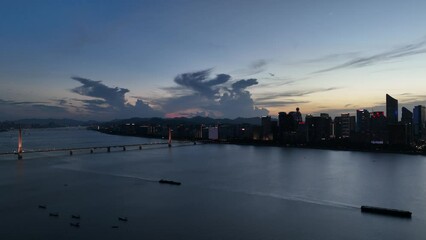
(104, 60)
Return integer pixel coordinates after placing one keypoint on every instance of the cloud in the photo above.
(330, 58)
(110, 102)
(212, 96)
(280, 103)
(19, 103)
(241, 85)
(253, 68)
(12, 110)
(199, 82)
(258, 66)
(115, 97)
(399, 52)
(297, 93)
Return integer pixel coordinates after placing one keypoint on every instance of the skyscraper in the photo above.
(297, 116)
(406, 116)
(407, 120)
(391, 110)
(419, 121)
(282, 123)
(344, 125)
(266, 128)
(363, 121)
(318, 128)
(378, 127)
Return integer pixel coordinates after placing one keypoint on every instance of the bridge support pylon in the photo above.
(170, 138)
(20, 144)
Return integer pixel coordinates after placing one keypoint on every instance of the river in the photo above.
(227, 191)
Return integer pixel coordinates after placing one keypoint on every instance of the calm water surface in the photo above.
(227, 191)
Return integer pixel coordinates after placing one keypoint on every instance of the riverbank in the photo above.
(374, 148)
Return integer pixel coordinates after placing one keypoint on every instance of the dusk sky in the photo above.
(104, 60)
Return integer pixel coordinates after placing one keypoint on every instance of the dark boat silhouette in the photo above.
(386, 211)
(124, 219)
(42, 206)
(163, 181)
(54, 214)
(75, 216)
(75, 224)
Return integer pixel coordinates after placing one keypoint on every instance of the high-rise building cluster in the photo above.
(365, 127)
(363, 130)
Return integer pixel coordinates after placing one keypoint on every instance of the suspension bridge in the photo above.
(20, 151)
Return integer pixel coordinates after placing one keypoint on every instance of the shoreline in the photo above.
(283, 145)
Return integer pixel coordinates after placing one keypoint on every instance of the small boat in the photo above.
(124, 219)
(54, 214)
(75, 225)
(42, 206)
(386, 211)
(163, 181)
(75, 216)
(114, 226)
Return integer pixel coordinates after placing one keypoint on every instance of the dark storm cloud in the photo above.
(404, 51)
(110, 102)
(212, 96)
(243, 84)
(115, 97)
(199, 82)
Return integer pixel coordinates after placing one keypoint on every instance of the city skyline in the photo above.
(103, 60)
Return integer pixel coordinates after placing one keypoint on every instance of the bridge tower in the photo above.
(170, 137)
(20, 143)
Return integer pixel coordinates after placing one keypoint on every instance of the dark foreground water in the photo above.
(227, 191)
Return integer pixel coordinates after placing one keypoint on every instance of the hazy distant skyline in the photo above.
(117, 59)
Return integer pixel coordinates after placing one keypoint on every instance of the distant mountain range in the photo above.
(65, 122)
(195, 120)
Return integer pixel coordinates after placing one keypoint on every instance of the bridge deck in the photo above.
(85, 148)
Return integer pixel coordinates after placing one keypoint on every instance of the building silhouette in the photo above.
(407, 120)
(378, 127)
(297, 116)
(318, 128)
(363, 121)
(419, 122)
(285, 123)
(391, 110)
(267, 134)
(344, 125)
(406, 116)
